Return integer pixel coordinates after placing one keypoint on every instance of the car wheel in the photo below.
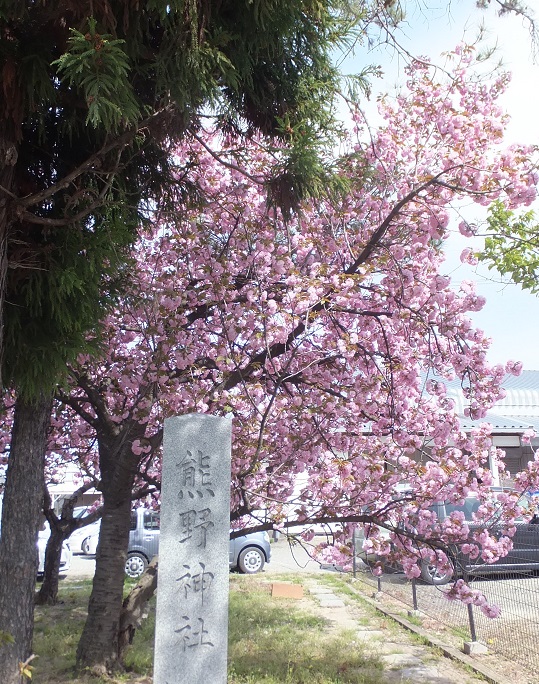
(135, 564)
(432, 575)
(251, 560)
(85, 547)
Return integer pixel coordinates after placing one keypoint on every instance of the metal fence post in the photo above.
(354, 567)
(414, 593)
(472, 622)
(471, 618)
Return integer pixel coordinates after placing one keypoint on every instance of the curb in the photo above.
(448, 651)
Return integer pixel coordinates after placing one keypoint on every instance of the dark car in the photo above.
(248, 553)
(523, 557)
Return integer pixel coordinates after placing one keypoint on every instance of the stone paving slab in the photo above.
(371, 635)
(331, 603)
(422, 673)
(400, 660)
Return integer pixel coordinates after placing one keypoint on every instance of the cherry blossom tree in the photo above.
(329, 337)
(93, 96)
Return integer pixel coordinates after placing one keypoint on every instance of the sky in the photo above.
(510, 316)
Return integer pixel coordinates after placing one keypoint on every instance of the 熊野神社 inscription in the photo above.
(192, 591)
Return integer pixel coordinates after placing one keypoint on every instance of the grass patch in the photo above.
(56, 633)
(420, 640)
(292, 578)
(346, 585)
(340, 582)
(271, 641)
(461, 633)
(412, 619)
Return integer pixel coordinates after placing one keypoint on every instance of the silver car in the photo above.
(523, 557)
(248, 553)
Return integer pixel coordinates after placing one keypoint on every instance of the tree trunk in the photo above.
(22, 503)
(3, 275)
(48, 592)
(8, 159)
(61, 529)
(98, 646)
(134, 608)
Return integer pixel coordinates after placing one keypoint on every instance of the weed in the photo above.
(461, 632)
(284, 644)
(412, 619)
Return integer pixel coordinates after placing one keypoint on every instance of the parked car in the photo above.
(43, 536)
(248, 553)
(524, 556)
(143, 540)
(79, 540)
(65, 558)
(89, 544)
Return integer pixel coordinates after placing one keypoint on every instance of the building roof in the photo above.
(517, 412)
(527, 380)
(505, 424)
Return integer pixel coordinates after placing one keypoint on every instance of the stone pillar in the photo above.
(192, 592)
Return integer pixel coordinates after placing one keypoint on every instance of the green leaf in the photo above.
(97, 65)
(512, 247)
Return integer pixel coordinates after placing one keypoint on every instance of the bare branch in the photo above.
(94, 162)
(259, 180)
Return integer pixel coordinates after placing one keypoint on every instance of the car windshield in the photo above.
(469, 508)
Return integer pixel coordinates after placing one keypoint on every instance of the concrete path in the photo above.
(406, 660)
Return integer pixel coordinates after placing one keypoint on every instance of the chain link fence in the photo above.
(514, 635)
